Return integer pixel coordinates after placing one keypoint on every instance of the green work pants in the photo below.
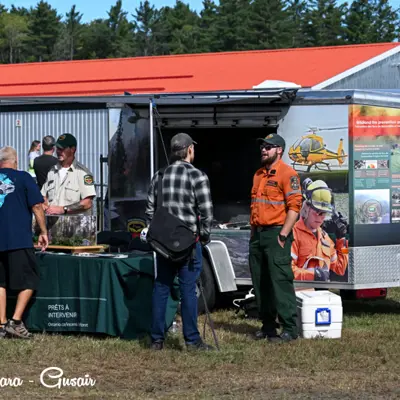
(272, 277)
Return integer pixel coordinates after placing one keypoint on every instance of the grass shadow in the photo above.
(242, 328)
(173, 343)
(74, 334)
(381, 306)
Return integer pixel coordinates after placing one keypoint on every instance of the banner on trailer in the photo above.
(375, 138)
(317, 147)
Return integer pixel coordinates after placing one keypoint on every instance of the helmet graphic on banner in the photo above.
(318, 195)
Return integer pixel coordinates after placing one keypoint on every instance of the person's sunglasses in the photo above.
(321, 213)
(268, 147)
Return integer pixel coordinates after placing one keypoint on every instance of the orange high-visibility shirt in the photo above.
(306, 245)
(274, 192)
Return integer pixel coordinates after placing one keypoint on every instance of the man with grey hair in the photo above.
(43, 164)
(19, 197)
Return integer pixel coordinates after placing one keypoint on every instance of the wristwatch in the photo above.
(282, 238)
(65, 209)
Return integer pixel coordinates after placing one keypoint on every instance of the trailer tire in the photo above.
(348, 295)
(209, 288)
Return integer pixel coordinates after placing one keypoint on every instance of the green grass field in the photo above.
(364, 364)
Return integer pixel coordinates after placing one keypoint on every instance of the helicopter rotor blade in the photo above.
(316, 129)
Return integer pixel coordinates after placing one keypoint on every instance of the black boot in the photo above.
(259, 335)
(157, 345)
(283, 338)
(199, 346)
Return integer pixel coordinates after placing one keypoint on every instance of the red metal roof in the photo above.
(184, 73)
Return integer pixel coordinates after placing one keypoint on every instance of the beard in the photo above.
(269, 160)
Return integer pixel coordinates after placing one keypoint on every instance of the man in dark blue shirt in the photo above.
(19, 197)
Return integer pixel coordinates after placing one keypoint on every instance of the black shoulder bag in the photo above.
(168, 235)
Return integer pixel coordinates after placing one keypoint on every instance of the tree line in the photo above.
(42, 34)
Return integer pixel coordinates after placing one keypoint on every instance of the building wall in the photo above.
(90, 127)
(382, 75)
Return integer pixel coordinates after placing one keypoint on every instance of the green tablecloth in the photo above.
(96, 295)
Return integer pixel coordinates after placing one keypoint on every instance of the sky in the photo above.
(92, 9)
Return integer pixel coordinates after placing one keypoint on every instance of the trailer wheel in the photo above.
(209, 288)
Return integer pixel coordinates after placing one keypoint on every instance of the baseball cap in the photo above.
(180, 141)
(66, 140)
(273, 139)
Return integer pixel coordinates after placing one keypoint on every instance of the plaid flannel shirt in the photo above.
(186, 194)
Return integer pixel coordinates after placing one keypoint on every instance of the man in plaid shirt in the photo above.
(186, 194)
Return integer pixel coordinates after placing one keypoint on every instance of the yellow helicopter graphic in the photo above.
(310, 151)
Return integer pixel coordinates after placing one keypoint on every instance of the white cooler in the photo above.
(319, 314)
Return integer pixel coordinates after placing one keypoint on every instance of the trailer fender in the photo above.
(221, 266)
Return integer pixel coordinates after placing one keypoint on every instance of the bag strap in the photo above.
(159, 187)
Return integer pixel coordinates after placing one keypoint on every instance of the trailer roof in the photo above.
(282, 94)
(383, 97)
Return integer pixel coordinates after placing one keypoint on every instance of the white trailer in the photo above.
(348, 138)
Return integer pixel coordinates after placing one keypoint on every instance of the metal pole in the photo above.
(151, 139)
(101, 214)
(152, 168)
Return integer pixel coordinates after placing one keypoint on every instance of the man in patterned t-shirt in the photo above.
(19, 197)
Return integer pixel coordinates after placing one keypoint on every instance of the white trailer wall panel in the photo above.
(90, 127)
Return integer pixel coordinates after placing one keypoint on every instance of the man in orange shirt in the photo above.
(275, 204)
(314, 254)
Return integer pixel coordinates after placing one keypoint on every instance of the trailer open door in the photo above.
(225, 125)
(131, 165)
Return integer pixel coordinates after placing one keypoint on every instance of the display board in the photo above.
(375, 142)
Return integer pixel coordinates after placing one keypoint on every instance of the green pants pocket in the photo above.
(283, 264)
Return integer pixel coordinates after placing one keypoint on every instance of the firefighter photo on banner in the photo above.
(315, 254)
(317, 148)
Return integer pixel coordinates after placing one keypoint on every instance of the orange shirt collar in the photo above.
(275, 168)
